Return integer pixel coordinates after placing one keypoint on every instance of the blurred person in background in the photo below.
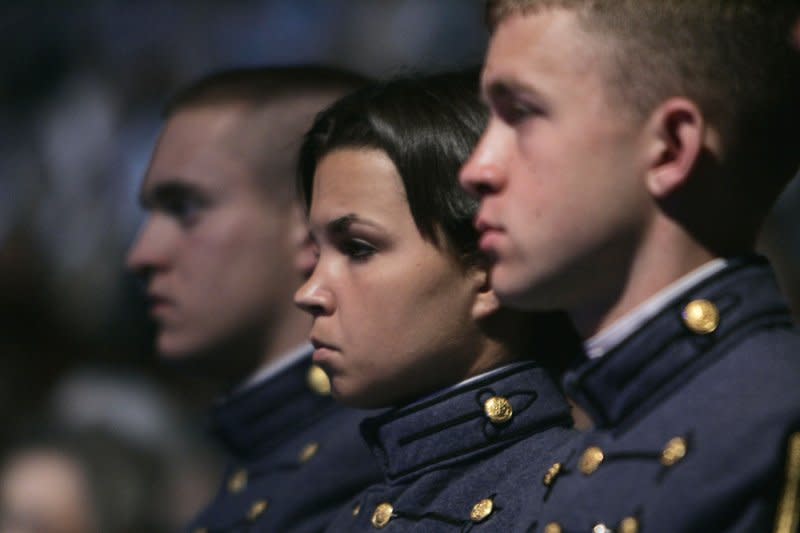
(221, 253)
(80, 482)
(145, 416)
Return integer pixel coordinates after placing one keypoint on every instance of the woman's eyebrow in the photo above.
(342, 224)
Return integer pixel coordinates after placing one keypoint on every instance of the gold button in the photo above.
(551, 474)
(701, 316)
(308, 451)
(481, 510)
(591, 460)
(601, 528)
(238, 481)
(674, 451)
(357, 509)
(257, 509)
(382, 515)
(552, 527)
(318, 380)
(498, 409)
(629, 525)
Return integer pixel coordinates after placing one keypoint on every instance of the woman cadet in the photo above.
(404, 316)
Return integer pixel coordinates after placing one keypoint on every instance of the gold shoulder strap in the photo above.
(788, 517)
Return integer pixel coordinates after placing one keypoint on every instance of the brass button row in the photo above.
(384, 513)
(238, 480)
(674, 451)
(628, 525)
(256, 510)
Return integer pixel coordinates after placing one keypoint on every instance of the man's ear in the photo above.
(486, 302)
(677, 136)
(300, 242)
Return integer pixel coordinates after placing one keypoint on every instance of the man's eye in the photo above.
(515, 112)
(357, 249)
(185, 210)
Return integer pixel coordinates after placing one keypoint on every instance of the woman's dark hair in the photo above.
(427, 126)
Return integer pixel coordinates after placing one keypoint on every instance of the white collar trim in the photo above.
(613, 335)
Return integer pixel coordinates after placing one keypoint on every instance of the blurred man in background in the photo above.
(221, 253)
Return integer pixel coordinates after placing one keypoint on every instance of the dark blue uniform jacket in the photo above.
(696, 418)
(296, 457)
(461, 460)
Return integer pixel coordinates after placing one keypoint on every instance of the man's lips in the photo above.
(489, 235)
(158, 303)
(322, 350)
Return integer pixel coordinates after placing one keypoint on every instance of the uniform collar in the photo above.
(279, 365)
(658, 357)
(253, 421)
(453, 425)
(611, 337)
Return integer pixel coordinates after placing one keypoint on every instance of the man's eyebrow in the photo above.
(506, 88)
(165, 192)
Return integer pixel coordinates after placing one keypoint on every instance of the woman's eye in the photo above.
(357, 249)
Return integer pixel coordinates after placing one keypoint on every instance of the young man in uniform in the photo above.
(222, 252)
(633, 151)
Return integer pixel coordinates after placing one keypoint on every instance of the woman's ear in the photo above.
(486, 302)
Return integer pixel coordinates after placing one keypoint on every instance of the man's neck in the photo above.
(657, 265)
(288, 333)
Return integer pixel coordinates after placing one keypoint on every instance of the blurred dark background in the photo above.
(81, 91)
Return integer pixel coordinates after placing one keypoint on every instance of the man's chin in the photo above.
(214, 361)
(511, 289)
(518, 291)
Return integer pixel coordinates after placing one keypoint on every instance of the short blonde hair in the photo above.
(733, 58)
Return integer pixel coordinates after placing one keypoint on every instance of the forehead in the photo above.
(196, 146)
(360, 181)
(531, 49)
